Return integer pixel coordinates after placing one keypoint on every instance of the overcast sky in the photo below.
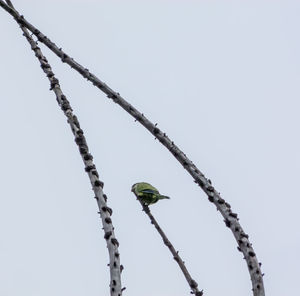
(221, 78)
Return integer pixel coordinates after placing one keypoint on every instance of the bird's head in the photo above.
(132, 187)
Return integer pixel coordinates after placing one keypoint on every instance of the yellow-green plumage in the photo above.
(147, 193)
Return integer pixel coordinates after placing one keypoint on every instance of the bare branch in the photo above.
(97, 185)
(192, 283)
(230, 218)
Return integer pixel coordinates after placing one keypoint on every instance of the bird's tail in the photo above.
(163, 197)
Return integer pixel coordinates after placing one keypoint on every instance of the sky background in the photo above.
(221, 78)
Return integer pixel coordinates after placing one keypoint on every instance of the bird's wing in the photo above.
(145, 187)
(149, 191)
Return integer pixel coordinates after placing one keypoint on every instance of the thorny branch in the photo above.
(97, 185)
(192, 283)
(230, 218)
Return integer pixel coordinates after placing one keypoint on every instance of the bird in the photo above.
(146, 193)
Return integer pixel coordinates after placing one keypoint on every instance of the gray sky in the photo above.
(221, 78)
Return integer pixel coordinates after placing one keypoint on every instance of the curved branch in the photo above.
(231, 220)
(97, 185)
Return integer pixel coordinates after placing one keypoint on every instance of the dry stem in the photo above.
(97, 185)
(230, 218)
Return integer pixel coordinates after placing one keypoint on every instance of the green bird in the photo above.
(147, 193)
